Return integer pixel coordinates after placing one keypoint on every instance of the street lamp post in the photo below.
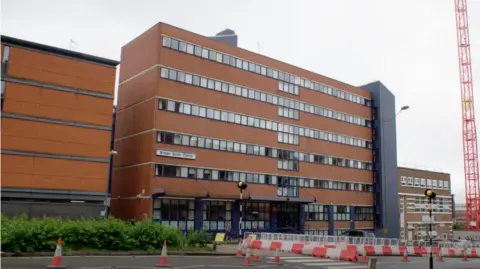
(382, 150)
(241, 186)
(431, 195)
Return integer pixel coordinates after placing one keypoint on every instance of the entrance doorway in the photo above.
(288, 217)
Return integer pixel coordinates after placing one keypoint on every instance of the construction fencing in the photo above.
(306, 244)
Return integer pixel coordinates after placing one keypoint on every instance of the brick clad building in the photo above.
(56, 129)
(196, 115)
(414, 219)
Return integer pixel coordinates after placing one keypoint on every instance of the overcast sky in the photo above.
(409, 45)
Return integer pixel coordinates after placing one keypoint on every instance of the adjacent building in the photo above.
(56, 113)
(196, 115)
(460, 216)
(414, 214)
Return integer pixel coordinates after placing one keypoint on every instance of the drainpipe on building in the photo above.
(112, 152)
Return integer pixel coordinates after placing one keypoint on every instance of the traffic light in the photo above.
(430, 194)
(242, 185)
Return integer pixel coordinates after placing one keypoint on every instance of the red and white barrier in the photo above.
(334, 250)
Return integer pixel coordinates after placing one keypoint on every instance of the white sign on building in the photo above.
(176, 154)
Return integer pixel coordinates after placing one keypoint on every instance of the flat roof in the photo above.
(423, 170)
(55, 50)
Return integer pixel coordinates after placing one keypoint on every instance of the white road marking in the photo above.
(293, 258)
(327, 264)
(349, 267)
(136, 267)
(101, 267)
(309, 260)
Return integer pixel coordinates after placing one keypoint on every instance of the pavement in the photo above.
(289, 261)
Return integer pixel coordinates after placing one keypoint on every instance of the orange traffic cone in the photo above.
(239, 253)
(276, 260)
(439, 256)
(163, 257)
(405, 255)
(57, 261)
(248, 259)
(464, 255)
(256, 257)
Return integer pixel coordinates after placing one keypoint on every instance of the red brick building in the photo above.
(195, 116)
(56, 129)
(414, 218)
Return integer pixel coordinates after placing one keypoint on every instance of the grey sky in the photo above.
(409, 45)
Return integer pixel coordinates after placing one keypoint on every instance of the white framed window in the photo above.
(417, 181)
(445, 184)
(410, 181)
(434, 183)
(403, 180)
(422, 182)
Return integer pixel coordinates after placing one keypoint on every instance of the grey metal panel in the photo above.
(52, 194)
(5, 58)
(230, 40)
(386, 162)
(58, 51)
(282, 199)
(6, 53)
(70, 123)
(227, 36)
(57, 87)
(54, 156)
(63, 210)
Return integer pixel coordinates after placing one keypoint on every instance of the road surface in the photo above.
(216, 262)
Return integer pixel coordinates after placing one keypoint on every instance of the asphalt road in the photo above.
(215, 262)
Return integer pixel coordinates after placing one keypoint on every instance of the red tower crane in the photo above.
(470, 147)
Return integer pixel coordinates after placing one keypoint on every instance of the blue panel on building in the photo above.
(386, 199)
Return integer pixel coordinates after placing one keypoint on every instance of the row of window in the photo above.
(288, 165)
(424, 182)
(288, 88)
(319, 212)
(217, 215)
(220, 86)
(175, 213)
(421, 204)
(316, 212)
(232, 61)
(364, 213)
(288, 113)
(286, 185)
(237, 147)
(313, 231)
(341, 212)
(245, 120)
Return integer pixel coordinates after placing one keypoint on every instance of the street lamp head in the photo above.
(242, 185)
(405, 107)
(430, 194)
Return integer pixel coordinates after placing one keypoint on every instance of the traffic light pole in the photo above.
(431, 228)
(241, 186)
(240, 222)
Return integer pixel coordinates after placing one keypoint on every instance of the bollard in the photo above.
(372, 263)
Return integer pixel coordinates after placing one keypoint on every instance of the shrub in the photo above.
(21, 234)
(198, 238)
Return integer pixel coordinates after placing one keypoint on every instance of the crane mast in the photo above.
(469, 130)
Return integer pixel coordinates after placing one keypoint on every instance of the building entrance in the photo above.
(287, 217)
